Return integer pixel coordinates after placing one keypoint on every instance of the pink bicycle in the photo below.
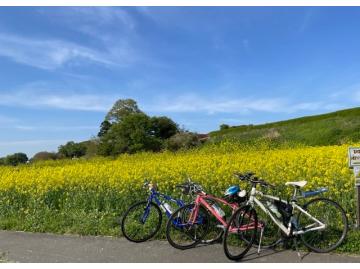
(204, 220)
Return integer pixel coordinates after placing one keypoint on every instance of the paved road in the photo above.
(37, 247)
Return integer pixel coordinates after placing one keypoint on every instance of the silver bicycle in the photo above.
(320, 223)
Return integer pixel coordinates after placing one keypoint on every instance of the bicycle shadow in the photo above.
(253, 255)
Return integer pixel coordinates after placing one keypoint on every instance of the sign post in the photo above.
(354, 163)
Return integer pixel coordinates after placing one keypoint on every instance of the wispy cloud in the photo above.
(194, 103)
(97, 17)
(66, 101)
(51, 54)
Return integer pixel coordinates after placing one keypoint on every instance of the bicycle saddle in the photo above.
(299, 184)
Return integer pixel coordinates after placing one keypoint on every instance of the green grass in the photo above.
(327, 129)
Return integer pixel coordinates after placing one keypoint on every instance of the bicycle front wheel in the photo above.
(187, 226)
(141, 222)
(336, 225)
(240, 233)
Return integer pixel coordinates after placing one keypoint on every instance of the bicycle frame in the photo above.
(157, 197)
(201, 200)
(287, 230)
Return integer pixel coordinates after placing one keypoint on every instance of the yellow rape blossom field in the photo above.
(88, 196)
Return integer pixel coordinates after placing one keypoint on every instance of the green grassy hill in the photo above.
(326, 129)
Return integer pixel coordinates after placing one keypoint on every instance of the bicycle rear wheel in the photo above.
(240, 233)
(184, 230)
(333, 216)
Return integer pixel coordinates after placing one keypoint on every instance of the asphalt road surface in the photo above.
(39, 247)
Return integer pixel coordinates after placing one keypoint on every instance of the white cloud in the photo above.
(97, 16)
(51, 53)
(66, 101)
(195, 103)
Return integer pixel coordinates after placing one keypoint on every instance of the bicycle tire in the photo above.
(152, 233)
(179, 216)
(237, 220)
(324, 213)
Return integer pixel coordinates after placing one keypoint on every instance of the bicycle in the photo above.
(143, 219)
(320, 223)
(189, 225)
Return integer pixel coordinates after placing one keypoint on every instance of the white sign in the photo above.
(354, 157)
(357, 175)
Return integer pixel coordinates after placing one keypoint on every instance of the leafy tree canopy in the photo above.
(134, 133)
(121, 109)
(104, 128)
(72, 149)
(164, 127)
(16, 159)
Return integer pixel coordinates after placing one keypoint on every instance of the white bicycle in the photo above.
(321, 223)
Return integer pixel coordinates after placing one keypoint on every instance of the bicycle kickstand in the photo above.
(261, 236)
(297, 249)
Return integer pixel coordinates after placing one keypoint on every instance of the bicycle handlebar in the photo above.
(250, 176)
(190, 187)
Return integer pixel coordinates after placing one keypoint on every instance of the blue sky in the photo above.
(61, 69)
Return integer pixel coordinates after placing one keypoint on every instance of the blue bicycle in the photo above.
(143, 219)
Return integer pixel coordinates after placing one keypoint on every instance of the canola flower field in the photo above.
(88, 196)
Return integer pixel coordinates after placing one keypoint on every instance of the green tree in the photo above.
(16, 159)
(121, 109)
(134, 133)
(164, 127)
(104, 128)
(43, 156)
(72, 149)
(224, 126)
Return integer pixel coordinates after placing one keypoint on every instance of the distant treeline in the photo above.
(125, 129)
